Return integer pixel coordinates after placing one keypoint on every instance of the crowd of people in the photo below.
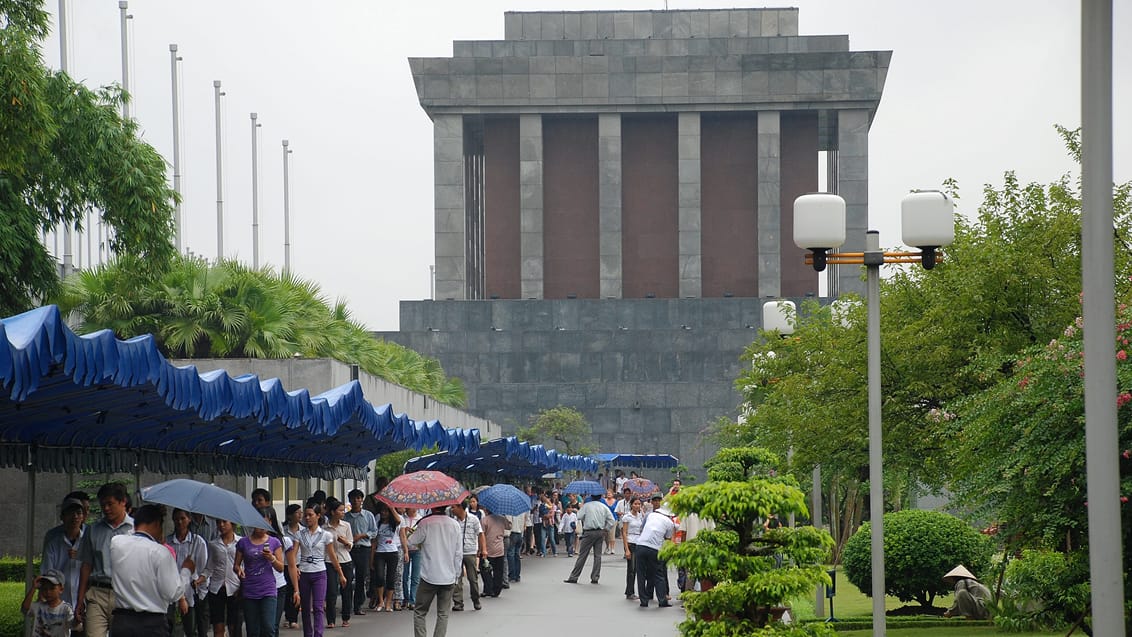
(328, 561)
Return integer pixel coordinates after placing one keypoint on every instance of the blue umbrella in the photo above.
(504, 499)
(584, 487)
(207, 499)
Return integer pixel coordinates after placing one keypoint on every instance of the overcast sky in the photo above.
(974, 89)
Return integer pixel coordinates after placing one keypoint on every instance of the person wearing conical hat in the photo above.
(970, 596)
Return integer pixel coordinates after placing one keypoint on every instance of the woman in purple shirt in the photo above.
(258, 557)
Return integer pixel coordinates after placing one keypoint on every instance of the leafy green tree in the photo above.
(563, 428)
(797, 391)
(199, 309)
(1009, 282)
(392, 465)
(1020, 452)
(66, 151)
(754, 571)
(919, 547)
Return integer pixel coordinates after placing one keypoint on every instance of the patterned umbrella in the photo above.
(584, 487)
(505, 499)
(641, 486)
(422, 490)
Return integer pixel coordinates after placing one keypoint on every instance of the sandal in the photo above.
(345, 623)
(372, 604)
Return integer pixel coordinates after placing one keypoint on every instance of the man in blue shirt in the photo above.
(364, 526)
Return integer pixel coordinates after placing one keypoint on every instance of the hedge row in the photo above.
(858, 623)
(12, 568)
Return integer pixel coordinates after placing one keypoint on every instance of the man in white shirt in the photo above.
(442, 554)
(651, 570)
(595, 519)
(146, 578)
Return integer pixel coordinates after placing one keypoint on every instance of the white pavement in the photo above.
(540, 604)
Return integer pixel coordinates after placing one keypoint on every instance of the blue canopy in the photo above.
(503, 457)
(97, 403)
(647, 461)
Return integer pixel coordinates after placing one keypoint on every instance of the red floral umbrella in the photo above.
(422, 490)
(641, 486)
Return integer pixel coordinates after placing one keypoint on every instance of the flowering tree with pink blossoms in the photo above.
(1021, 451)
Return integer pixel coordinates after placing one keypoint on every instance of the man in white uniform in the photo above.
(651, 570)
(146, 578)
(442, 554)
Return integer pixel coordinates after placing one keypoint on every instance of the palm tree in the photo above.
(227, 310)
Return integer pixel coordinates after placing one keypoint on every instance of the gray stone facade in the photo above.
(649, 374)
(611, 63)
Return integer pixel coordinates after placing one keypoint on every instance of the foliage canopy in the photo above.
(65, 151)
(754, 569)
(563, 428)
(982, 393)
(199, 309)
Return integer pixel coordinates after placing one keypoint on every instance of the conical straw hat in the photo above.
(958, 573)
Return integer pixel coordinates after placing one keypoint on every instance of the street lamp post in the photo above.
(819, 226)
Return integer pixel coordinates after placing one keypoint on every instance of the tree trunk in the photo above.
(845, 505)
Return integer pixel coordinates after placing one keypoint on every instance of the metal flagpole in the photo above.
(286, 208)
(219, 178)
(68, 266)
(255, 196)
(122, 6)
(177, 220)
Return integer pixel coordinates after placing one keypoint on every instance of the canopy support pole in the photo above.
(29, 540)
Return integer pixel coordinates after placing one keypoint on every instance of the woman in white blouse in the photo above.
(223, 583)
(631, 524)
(315, 553)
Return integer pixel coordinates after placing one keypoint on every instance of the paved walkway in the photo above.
(540, 604)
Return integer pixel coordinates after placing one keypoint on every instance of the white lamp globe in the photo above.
(779, 316)
(927, 218)
(819, 224)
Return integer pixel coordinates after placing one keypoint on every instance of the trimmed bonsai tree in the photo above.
(919, 547)
(755, 571)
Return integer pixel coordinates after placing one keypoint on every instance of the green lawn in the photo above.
(851, 603)
(11, 623)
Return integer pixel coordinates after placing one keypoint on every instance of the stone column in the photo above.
(688, 154)
(530, 206)
(448, 166)
(609, 202)
(853, 186)
(769, 202)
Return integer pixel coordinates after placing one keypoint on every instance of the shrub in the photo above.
(12, 568)
(919, 547)
(755, 571)
(1044, 590)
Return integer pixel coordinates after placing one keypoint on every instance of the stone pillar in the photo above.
(769, 202)
(688, 154)
(530, 206)
(448, 166)
(853, 186)
(609, 198)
